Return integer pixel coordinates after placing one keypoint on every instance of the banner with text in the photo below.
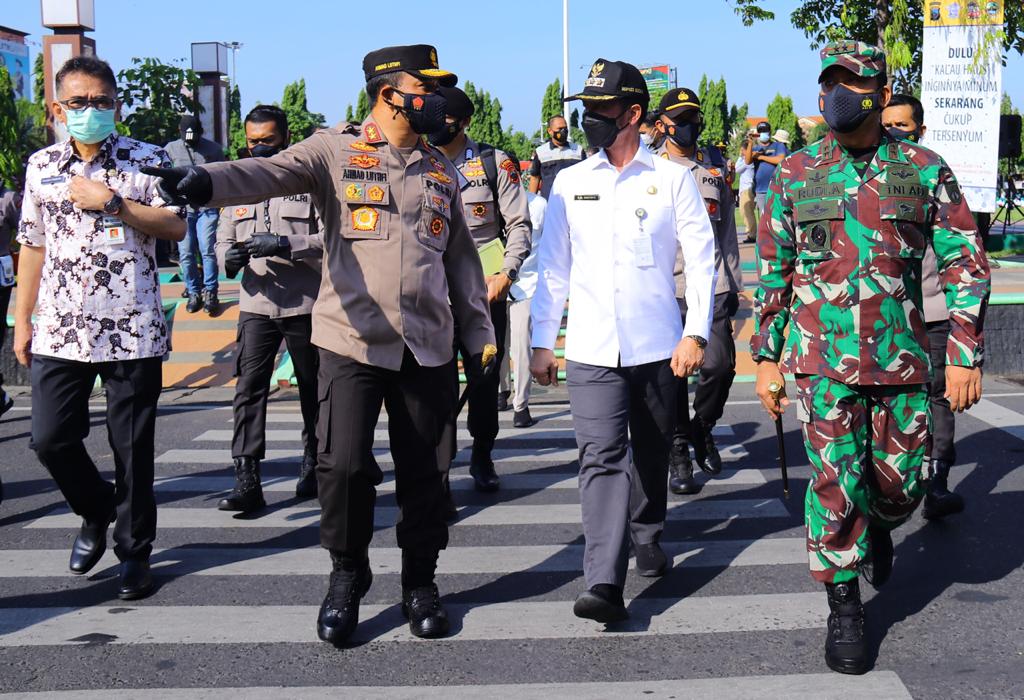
(961, 90)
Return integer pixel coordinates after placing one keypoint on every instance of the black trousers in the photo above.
(5, 301)
(483, 397)
(418, 402)
(715, 379)
(60, 424)
(259, 338)
(943, 422)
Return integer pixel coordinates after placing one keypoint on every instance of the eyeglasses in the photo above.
(76, 103)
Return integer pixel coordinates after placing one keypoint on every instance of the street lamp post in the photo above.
(210, 62)
(565, 62)
(69, 20)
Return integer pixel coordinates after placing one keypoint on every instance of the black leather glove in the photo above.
(265, 245)
(234, 260)
(732, 303)
(191, 185)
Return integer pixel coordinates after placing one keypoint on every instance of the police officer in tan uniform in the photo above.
(278, 247)
(399, 264)
(496, 209)
(681, 121)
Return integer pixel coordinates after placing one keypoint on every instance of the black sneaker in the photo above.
(211, 303)
(651, 561)
(195, 303)
(877, 568)
(845, 648)
(422, 608)
(522, 419)
(602, 603)
(339, 613)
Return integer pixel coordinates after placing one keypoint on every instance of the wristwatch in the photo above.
(113, 205)
(701, 342)
(511, 274)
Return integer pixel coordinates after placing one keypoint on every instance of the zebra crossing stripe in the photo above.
(255, 624)
(313, 561)
(877, 685)
(491, 515)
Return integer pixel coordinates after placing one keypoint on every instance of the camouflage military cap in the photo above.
(858, 57)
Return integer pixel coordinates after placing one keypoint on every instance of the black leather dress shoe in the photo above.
(481, 468)
(602, 603)
(339, 613)
(422, 608)
(651, 561)
(704, 448)
(522, 419)
(90, 545)
(136, 579)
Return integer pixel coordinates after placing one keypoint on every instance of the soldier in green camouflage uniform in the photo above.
(846, 225)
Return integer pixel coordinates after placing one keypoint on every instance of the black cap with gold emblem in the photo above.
(613, 80)
(418, 59)
(677, 101)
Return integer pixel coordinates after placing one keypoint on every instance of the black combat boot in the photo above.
(339, 613)
(451, 511)
(939, 501)
(306, 486)
(247, 496)
(845, 649)
(422, 608)
(681, 469)
(481, 468)
(704, 448)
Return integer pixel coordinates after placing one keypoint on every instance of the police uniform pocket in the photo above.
(818, 221)
(479, 213)
(435, 225)
(365, 216)
(902, 226)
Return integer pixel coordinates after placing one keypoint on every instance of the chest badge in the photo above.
(363, 146)
(365, 219)
(363, 161)
(354, 192)
(479, 210)
(819, 236)
(375, 193)
(241, 211)
(437, 226)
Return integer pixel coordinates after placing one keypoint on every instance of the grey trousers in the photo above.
(616, 411)
(519, 349)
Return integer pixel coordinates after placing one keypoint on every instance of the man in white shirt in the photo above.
(611, 232)
(748, 207)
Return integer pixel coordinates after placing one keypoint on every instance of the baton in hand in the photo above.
(486, 358)
(776, 389)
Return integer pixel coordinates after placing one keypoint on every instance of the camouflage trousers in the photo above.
(866, 446)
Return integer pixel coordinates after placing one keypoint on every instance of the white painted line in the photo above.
(314, 561)
(538, 432)
(459, 482)
(1007, 420)
(256, 624)
(502, 514)
(877, 685)
(556, 455)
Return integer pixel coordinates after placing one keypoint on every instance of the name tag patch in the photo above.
(586, 197)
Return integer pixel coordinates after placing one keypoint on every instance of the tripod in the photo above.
(1010, 200)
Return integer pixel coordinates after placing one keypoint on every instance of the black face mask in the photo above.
(601, 131)
(902, 134)
(264, 151)
(844, 110)
(560, 135)
(425, 113)
(684, 135)
(444, 136)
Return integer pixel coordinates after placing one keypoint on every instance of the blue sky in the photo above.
(511, 49)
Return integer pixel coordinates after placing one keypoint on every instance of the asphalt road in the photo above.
(737, 616)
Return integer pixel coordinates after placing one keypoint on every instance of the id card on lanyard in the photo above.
(113, 231)
(643, 244)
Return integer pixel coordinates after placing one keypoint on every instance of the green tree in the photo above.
(714, 103)
(517, 144)
(350, 116)
(655, 101)
(362, 106)
(782, 116)
(1006, 165)
(896, 25)
(236, 127)
(301, 122)
(157, 95)
(39, 81)
(551, 105)
(737, 127)
(486, 123)
(10, 156)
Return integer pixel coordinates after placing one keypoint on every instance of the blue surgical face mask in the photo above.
(90, 125)
(764, 137)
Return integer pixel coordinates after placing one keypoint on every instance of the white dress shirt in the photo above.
(609, 244)
(746, 172)
(527, 282)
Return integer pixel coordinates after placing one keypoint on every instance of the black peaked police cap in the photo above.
(613, 80)
(418, 59)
